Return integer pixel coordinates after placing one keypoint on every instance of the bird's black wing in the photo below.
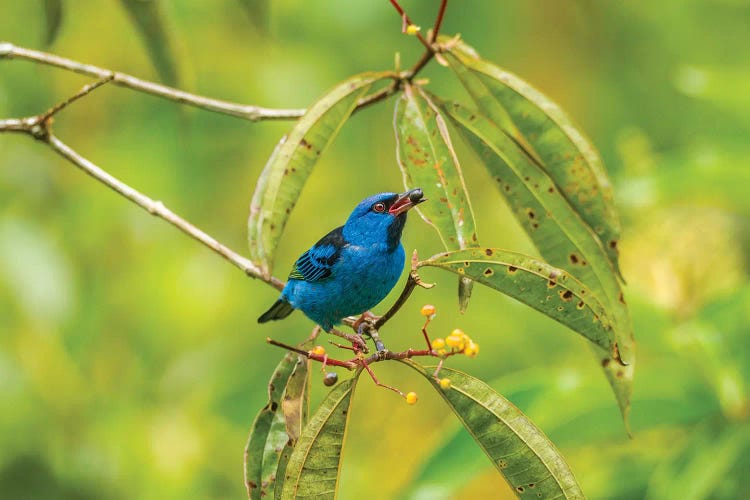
(316, 263)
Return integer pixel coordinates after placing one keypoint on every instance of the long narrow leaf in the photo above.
(518, 449)
(555, 228)
(547, 289)
(313, 469)
(53, 13)
(566, 154)
(149, 19)
(295, 408)
(427, 159)
(268, 434)
(455, 461)
(288, 169)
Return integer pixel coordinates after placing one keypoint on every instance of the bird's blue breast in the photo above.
(359, 280)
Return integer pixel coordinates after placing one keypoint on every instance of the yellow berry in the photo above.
(445, 383)
(411, 398)
(455, 341)
(428, 310)
(318, 350)
(438, 344)
(413, 29)
(442, 352)
(458, 332)
(471, 350)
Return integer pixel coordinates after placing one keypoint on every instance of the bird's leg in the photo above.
(365, 325)
(356, 340)
(365, 328)
(366, 317)
(377, 382)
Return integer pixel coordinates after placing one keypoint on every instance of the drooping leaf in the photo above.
(290, 165)
(53, 12)
(295, 406)
(564, 152)
(427, 160)
(268, 434)
(149, 19)
(547, 289)
(551, 222)
(257, 12)
(518, 449)
(455, 460)
(313, 469)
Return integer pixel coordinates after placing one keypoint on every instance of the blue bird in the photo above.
(352, 268)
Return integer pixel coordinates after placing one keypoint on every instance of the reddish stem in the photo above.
(438, 21)
(405, 17)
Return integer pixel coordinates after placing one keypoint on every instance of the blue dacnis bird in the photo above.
(352, 268)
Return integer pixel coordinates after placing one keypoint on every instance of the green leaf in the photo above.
(268, 434)
(295, 406)
(53, 12)
(698, 471)
(149, 19)
(519, 450)
(551, 222)
(313, 469)
(549, 135)
(547, 289)
(455, 460)
(257, 12)
(292, 162)
(427, 160)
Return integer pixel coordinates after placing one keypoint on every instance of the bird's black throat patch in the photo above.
(395, 230)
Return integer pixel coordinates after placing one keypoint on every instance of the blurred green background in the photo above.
(131, 363)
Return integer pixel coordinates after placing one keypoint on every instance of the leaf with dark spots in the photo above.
(560, 235)
(277, 426)
(281, 182)
(562, 149)
(518, 449)
(149, 19)
(560, 232)
(314, 466)
(53, 15)
(527, 280)
(428, 160)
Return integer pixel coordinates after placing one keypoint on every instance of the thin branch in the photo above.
(407, 20)
(411, 283)
(39, 128)
(87, 89)
(158, 209)
(438, 21)
(248, 112)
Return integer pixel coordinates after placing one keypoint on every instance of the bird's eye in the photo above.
(379, 207)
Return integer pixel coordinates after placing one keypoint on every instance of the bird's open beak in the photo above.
(405, 201)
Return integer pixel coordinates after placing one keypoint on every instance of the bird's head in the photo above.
(380, 218)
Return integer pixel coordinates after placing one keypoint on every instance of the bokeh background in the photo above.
(131, 363)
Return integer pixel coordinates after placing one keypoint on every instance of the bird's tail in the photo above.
(279, 310)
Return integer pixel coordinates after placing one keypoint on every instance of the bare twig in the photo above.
(407, 20)
(411, 283)
(39, 128)
(248, 112)
(160, 210)
(87, 89)
(438, 21)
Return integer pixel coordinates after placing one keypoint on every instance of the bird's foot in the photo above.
(357, 340)
(366, 329)
(366, 318)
